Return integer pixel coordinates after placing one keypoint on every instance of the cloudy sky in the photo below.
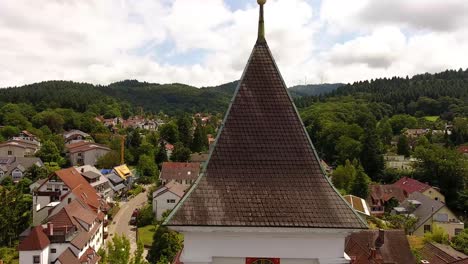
(207, 42)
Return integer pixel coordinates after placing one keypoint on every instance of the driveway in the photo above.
(120, 225)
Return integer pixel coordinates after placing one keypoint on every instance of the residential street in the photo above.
(120, 224)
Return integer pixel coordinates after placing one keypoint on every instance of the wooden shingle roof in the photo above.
(263, 170)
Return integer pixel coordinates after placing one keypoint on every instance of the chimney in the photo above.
(380, 239)
(82, 170)
(50, 229)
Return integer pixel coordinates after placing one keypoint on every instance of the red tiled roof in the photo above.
(90, 256)
(263, 170)
(463, 149)
(180, 171)
(36, 240)
(67, 257)
(441, 254)
(84, 146)
(386, 192)
(79, 186)
(395, 248)
(411, 185)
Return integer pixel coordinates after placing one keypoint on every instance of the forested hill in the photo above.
(313, 89)
(424, 94)
(153, 97)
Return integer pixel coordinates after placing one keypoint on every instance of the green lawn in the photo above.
(431, 118)
(145, 234)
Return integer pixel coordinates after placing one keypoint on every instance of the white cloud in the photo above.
(103, 41)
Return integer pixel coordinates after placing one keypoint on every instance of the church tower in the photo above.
(262, 197)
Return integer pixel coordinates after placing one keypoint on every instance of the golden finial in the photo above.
(261, 24)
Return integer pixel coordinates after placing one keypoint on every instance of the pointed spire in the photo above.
(261, 23)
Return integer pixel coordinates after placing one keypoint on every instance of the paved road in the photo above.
(120, 225)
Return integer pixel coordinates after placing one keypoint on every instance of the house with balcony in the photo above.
(85, 153)
(75, 136)
(18, 148)
(382, 198)
(429, 212)
(100, 183)
(61, 188)
(73, 234)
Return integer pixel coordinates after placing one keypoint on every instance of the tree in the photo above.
(180, 153)
(49, 153)
(169, 132)
(161, 154)
(49, 118)
(16, 119)
(348, 149)
(343, 176)
(9, 131)
(360, 186)
(460, 241)
(200, 140)
(147, 167)
(165, 246)
(35, 172)
(437, 234)
(384, 130)
(371, 155)
(403, 147)
(401, 222)
(399, 122)
(138, 257)
(118, 250)
(442, 167)
(145, 216)
(184, 126)
(109, 160)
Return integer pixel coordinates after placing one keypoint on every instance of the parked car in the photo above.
(133, 220)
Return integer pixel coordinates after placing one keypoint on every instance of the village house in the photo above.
(18, 148)
(72, 235)
(125, 173)
(410, 186)
(166, 197)
(181, 172)
(16, 167)
(379, 246)
(27, 136)
(64, 185)
(85, 153)
(262, 197)
(429, 212)
(416, 133)
(100, 183)
(69, 219)
(75, 136)
(435, 253)
(116, 182)
(399, 162)
(384, 195)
